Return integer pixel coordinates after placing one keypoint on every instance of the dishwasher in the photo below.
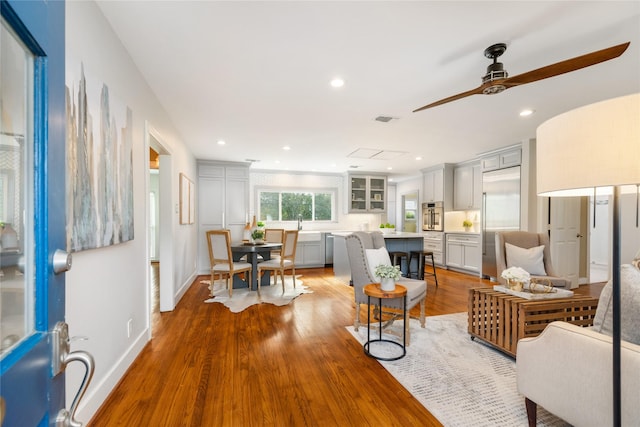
(328, 249)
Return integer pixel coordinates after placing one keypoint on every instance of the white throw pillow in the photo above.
(375, 257)
(531, 260)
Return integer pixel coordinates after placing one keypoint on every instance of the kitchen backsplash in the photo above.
(453, 221)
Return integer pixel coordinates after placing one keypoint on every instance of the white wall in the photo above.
(629, 230)
(108, 286)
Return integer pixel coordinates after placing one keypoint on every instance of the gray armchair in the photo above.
(527, 240)
(357, 243)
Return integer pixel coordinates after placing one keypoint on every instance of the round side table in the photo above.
(373, 290)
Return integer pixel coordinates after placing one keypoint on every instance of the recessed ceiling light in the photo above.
(333, 165)
(337, 82)
(389, 168)
(221, 142)
(286, 148)
(525, 113)
(277, 162)
(419, 158)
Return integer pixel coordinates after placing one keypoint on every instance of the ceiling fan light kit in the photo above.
(497, 79)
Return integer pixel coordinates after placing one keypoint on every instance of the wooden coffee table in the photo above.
(500, 319)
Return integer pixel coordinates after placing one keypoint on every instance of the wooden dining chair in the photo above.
(274, 235)
(286, 261)
(219, 243)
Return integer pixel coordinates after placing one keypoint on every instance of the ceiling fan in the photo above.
(497, 80)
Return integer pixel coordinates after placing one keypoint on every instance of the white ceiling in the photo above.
(256, 74)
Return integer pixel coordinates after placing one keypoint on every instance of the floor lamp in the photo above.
(594, 146)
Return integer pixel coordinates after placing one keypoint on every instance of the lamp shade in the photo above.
(597, 145)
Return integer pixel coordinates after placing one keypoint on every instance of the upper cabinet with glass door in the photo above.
(367, 193)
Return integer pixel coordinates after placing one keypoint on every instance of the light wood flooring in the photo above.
(294, 365)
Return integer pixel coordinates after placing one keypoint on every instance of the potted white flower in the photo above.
(388, 275)
(516, 278)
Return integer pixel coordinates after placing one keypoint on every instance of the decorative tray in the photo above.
(555, 293)
(253, 244)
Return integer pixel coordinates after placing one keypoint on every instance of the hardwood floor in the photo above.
(294, 365)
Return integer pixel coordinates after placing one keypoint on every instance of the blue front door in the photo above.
(32, 208)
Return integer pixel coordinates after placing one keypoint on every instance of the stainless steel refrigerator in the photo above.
(500, 212)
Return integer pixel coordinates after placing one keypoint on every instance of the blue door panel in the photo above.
(33, 378)
(33, 397)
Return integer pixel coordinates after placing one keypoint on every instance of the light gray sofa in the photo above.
(568, 369)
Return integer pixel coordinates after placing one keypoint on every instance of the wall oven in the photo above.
(432, 216)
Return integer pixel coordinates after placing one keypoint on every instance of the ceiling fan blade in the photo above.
(475, 91)
(567, 66)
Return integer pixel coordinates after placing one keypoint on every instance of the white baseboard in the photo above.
(98, 393)
(185, 287)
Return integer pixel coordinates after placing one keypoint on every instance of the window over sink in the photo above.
(291, 204)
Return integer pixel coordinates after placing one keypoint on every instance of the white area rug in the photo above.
(243, 298)
(460, 381)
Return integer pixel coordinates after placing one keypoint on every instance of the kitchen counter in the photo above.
(400, 241)
(397, 235)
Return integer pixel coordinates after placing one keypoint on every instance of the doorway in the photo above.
(159, 228)
(599, 238)
(410, 212)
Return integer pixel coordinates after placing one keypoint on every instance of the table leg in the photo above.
(254, 271)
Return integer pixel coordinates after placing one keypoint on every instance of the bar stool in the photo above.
(422, 259)
(396, 259)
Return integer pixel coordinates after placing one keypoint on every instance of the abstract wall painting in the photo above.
(99, 166)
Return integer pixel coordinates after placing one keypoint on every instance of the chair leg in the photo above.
(407, 330)
(532, 411)
(356, 323)
(433, 264)
(422, 318)
(282, 280)
(260, 274)
(293, 276)
(229, 278)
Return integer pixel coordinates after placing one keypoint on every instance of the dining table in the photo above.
(252, 250)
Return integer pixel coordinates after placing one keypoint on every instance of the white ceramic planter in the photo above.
(387, 284)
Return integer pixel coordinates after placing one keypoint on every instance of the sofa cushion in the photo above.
(376, 257)
(531, 260)
(629, 306)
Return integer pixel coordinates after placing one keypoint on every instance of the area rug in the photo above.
(460, 381)
(243, 298)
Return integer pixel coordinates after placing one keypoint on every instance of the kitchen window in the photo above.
(291, 204)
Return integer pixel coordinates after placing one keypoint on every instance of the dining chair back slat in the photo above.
(285, 262)
(221, 260)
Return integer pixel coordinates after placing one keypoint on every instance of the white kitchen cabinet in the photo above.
(310, 253)
(433, 241)
(502, 159)
(467, 187)
(223, 202)
(463, 252)
(434, 186)
(367, 194)
(438, 185)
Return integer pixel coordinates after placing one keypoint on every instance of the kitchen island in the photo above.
(399, 241)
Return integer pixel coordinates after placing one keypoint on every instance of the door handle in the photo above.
(66, 418)
(60, 359)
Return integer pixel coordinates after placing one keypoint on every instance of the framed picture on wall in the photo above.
(187, 200)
